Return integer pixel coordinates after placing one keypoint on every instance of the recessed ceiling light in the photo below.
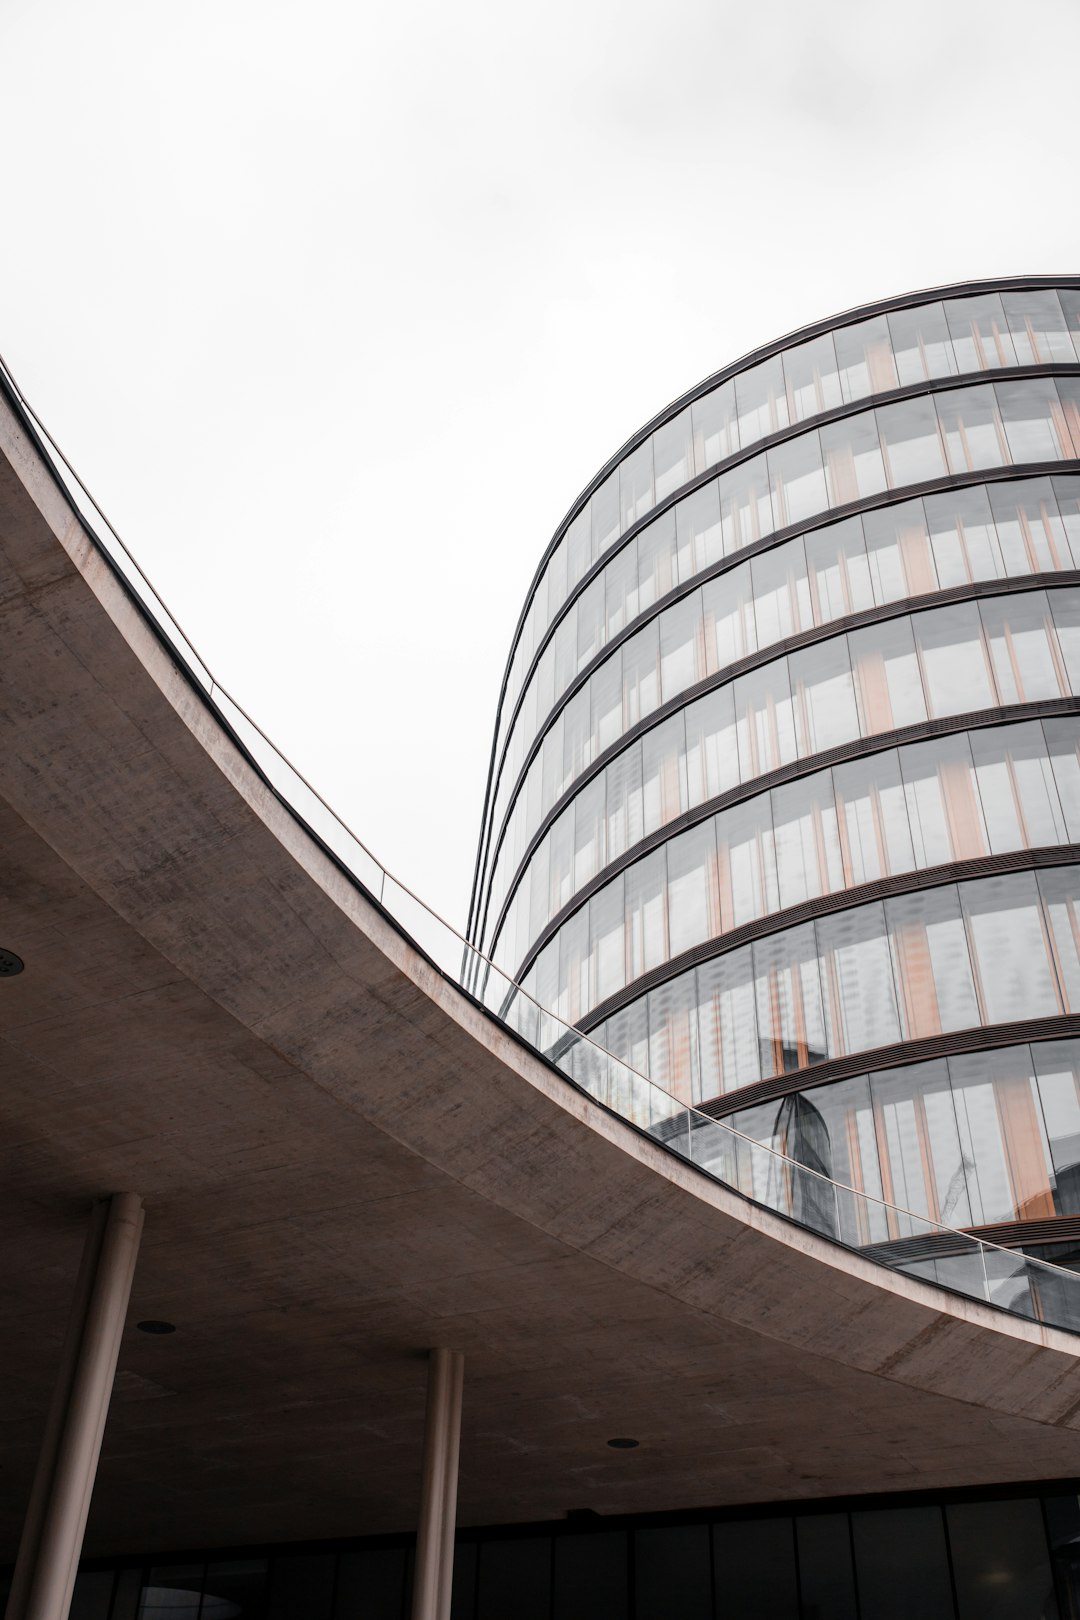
(10, 964)
(158, 1327)
(622, 1444)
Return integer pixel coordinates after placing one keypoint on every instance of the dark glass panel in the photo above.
(1000, 1561)
(671, 1573)
(463, 1599)
(591, 1577)
(826, 1573)
(301, 1587)
(515, 1579)
(754, 1570)
(172, 1592)
(93, 1590)
(1063, 1526)
(902, 1565)
(371, 1584)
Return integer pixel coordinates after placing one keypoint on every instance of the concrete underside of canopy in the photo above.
(344, 1162)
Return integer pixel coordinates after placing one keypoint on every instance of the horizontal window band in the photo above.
(936, 486)
(768, 351)
(833, 631)
(826, 905)
(899, 1055)
(839, 413)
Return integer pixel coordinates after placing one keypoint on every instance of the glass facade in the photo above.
(787, 767)
(945, 541)
(956, 1556)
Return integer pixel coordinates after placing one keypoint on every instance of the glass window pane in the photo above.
(875, 837)
(589, 613)
(1065, 606)
(588, 808)
(172, 1592)
(1016, 785)
(712, 755)
(856, 980)
(972, 429)
(911, 442)
(93, 1593)
(902, 1565)
(921, 344)
(1000, 1559)
(1002, 1138)
(693, 891)
(514, 1579)
(241, 1582)
(762, 401)
(672, 1573)
(811, 378)
(953, 659)
(931, 963)
(963, 537)
(745, 506)
(888, 688)
(579, 541)
(636, 484)
(1067, 493)
(656, 550)
(781, 593)
(746, 862)
(729, 627)
(797, 479)
(1033, 420)
(754, 1570)
(865, 357)
(621, 589)
(641, 674)
(591, 1576)
(1063, 744)
(682, 647)
(727, 1022)
(898, 550)
(300, 1584)
(787, 985)
(1057, 1066)
(823, 696)
(699, 534)
(807, 839)
(1067, 421)
(923, 1169)
(1030, 531)
(826, 1571)
(944, 809)
(839, 575)
(854, 467)
(673, 454)
(1023, 647)
(765, 724)
(647, 945)
(624, 802)
(606, 519)
(1009, 948)
(716, 428)
(1038, 328)
(1060, 890)
(607, 939)
(980, 333)
(663, 773)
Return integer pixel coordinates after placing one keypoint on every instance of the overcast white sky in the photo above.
(336, 307)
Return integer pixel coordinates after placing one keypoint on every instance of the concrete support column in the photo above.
(434, 1574)
(64, 1479)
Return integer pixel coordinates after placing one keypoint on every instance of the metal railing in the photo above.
(869, 1226)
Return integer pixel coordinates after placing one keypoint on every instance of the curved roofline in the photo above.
(792, 339)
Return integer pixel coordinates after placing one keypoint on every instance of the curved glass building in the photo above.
(784, 805)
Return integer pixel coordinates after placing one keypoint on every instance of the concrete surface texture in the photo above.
(344, 1162)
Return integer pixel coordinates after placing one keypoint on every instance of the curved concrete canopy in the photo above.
(344, 1162)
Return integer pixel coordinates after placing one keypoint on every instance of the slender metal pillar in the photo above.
(434, 1572)
(64, 1480)
(450, 1483)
